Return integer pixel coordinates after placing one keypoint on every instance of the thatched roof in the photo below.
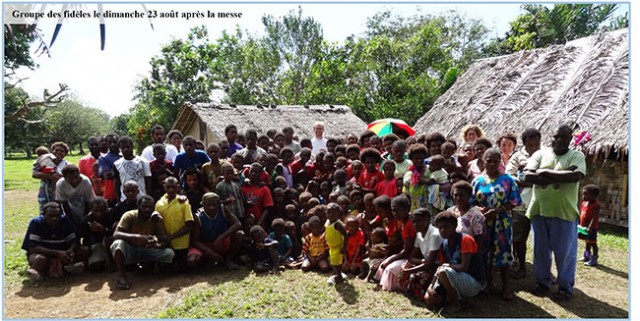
(339, 120)
(584, 83)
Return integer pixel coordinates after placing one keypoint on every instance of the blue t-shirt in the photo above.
(106, 162)
(212, 228)
(183, 161)
(59, 237)
(284, 243)
(234, 148)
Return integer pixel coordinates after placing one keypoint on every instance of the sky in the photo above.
(106, 79)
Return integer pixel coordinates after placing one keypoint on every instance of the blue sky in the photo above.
(105, 79)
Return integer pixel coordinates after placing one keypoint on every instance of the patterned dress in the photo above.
(493, 193)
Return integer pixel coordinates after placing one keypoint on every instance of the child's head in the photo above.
(387, 141)
(315, 226)
(272, 162)
(389, 169)
(356, 199)
(263, 142)
(375, 142)
(131, 191)
(340, 177)
(341, 162)
(368, 202)
(434, 142)
(99, 207)
(333, 197)
(251, 138)
(352, 139)
(590, 193)
(356, 168)
(159, 152)
(305, 155)
(237, 161)
(278, 195)
(279, 139)
(313, 202)
(42, 150)
(325, 189)
(280, 181)
(398, 150)
(446, 222)
(277, 226)
(400, 207)
(227, 171)
(353, 152)
(199, 145)
(224, 148)
(171, 186)
(382, 204)
(461, 192)
(455, 177)
(436, 163)
(304, 198)
(290, 228)
(321, 212)
(480, 146)
(313, 187)
(213, 150)
(352, 225)
(448, 149)
(125, 143)
(378, 235)
(344, 202)
(71, 174)
(257, 233)
(421, 218)
(417, 154)
(286, 154)
(175, 137)
(189, 145)
(370, 157)
(334, 212)
(332, 143)
(341, 151)
(192, 177)
(329, 161)
(291, 211)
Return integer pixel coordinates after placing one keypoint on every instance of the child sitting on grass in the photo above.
(264, 251)
(377, 252)
(284, 241)
(589, 222)
(315, 249)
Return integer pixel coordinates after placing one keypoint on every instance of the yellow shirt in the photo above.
(174, 216)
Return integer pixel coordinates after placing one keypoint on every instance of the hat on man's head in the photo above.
(210, 197)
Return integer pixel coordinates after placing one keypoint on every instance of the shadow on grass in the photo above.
(348, 292)
(596, 308)
(142, 284)
(609, 270)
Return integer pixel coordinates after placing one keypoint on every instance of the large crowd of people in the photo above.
(424, 215)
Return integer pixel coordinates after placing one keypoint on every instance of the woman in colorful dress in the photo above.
(496, 194)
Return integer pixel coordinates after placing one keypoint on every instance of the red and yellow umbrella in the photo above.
(391, 126)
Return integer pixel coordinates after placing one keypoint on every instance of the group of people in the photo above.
(424, 215)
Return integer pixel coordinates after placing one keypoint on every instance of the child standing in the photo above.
(355, 246)
(335, 234)
(589, 222)
(438, 177)
(230, 193)
(177, 220)
(371, 176)
(388, 185)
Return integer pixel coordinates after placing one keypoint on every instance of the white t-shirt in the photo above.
(318, 145)
(429, 242)
(147, 153)
(136, 170)
(77, 197)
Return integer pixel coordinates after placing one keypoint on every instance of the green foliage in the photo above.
(541, 26)
(118, 125)
(17, 42)
(25, 133)
(73, 123)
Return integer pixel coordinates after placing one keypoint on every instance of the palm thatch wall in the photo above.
(584, 83)
(207, 121)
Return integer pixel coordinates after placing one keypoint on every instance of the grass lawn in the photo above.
(601, 292)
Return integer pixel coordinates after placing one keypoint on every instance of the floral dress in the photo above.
(493, 193)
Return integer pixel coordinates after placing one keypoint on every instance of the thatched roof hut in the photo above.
(207, 121)
(584, 83)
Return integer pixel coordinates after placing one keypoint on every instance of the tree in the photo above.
(73, 123)
(25, 133)
(541, 26)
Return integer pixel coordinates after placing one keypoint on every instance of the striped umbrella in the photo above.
(391, 125)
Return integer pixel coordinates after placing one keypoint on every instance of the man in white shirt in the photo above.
(158, 135)
(318, 142)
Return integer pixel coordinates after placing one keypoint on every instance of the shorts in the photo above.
(591, 238)
(521, 226)
(465, 284)
(335, 257)
(224, 249)
(133, 254)
(98, 254)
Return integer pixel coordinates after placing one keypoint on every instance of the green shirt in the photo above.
(556, 200)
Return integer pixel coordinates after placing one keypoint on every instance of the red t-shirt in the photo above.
(408, 230)
(296, 166)
(85, 164)
(589, 212)
(261, 198)
(369, 180)
(264, 177)
(388, 188)
(353, 242)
